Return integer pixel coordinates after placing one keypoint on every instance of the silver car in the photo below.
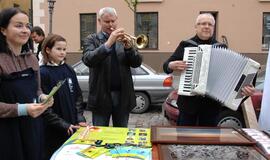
(150, 87)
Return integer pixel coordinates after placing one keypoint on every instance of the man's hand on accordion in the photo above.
(177, 65)
(248, 90)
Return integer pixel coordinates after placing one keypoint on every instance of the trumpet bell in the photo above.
(141, 41)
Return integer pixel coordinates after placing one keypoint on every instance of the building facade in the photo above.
(25, 5)
(243, 24)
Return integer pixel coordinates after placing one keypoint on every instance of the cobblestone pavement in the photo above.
(153, 116)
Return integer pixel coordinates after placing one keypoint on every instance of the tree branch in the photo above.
(132, 4)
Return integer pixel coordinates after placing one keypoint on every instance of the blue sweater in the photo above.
(65, 98)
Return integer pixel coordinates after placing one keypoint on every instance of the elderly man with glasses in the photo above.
(198, 110)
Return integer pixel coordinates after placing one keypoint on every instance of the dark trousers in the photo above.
(119, 119)
(197, 119)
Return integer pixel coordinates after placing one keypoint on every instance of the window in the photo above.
(15, 5)
(88, 25)
(81, 69)
(266, 31)
(138, 71)
(147, 23)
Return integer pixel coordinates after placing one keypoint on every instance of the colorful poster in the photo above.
(113, 135)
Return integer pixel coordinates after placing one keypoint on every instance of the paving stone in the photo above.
(146, 120)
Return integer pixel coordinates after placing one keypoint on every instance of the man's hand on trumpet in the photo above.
(114, 36)
(119, 35)
(127, 42)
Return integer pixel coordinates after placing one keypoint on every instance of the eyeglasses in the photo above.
(205, 24)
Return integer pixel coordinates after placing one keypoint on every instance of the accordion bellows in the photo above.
(218, 73)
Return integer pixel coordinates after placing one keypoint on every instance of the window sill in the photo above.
(142, 1)
(265, 49)
(264, 0)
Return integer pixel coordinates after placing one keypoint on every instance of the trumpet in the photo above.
(141, 41)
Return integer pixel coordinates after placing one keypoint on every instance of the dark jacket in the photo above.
(193, 104)
(98, 59)
(68, 105)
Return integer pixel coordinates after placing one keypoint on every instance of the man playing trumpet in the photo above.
(109, 55)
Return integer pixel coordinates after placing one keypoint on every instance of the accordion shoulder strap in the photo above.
(190, 41)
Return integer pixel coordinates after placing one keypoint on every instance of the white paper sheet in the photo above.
(264, 119)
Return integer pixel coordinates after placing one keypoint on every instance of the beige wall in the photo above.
(24, 4)
(239, 20)
(67, 23)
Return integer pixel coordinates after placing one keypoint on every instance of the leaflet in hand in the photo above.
(54, 90)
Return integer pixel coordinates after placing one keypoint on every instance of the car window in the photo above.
(81, 69)
(150, 68)
(138, 71)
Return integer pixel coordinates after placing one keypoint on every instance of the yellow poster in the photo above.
(113, 135)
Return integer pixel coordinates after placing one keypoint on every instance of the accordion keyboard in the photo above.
(197, 68)
(185, 82)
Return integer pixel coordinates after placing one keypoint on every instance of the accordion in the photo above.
(218, 73)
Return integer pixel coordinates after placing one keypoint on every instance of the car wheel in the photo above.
(142, 103)
(230, 118)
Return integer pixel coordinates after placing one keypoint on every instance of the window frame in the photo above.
(157, 28)
(265, 47)
(95, 26)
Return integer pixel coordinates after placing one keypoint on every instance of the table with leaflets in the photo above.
(165, 143)
(99, 143)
